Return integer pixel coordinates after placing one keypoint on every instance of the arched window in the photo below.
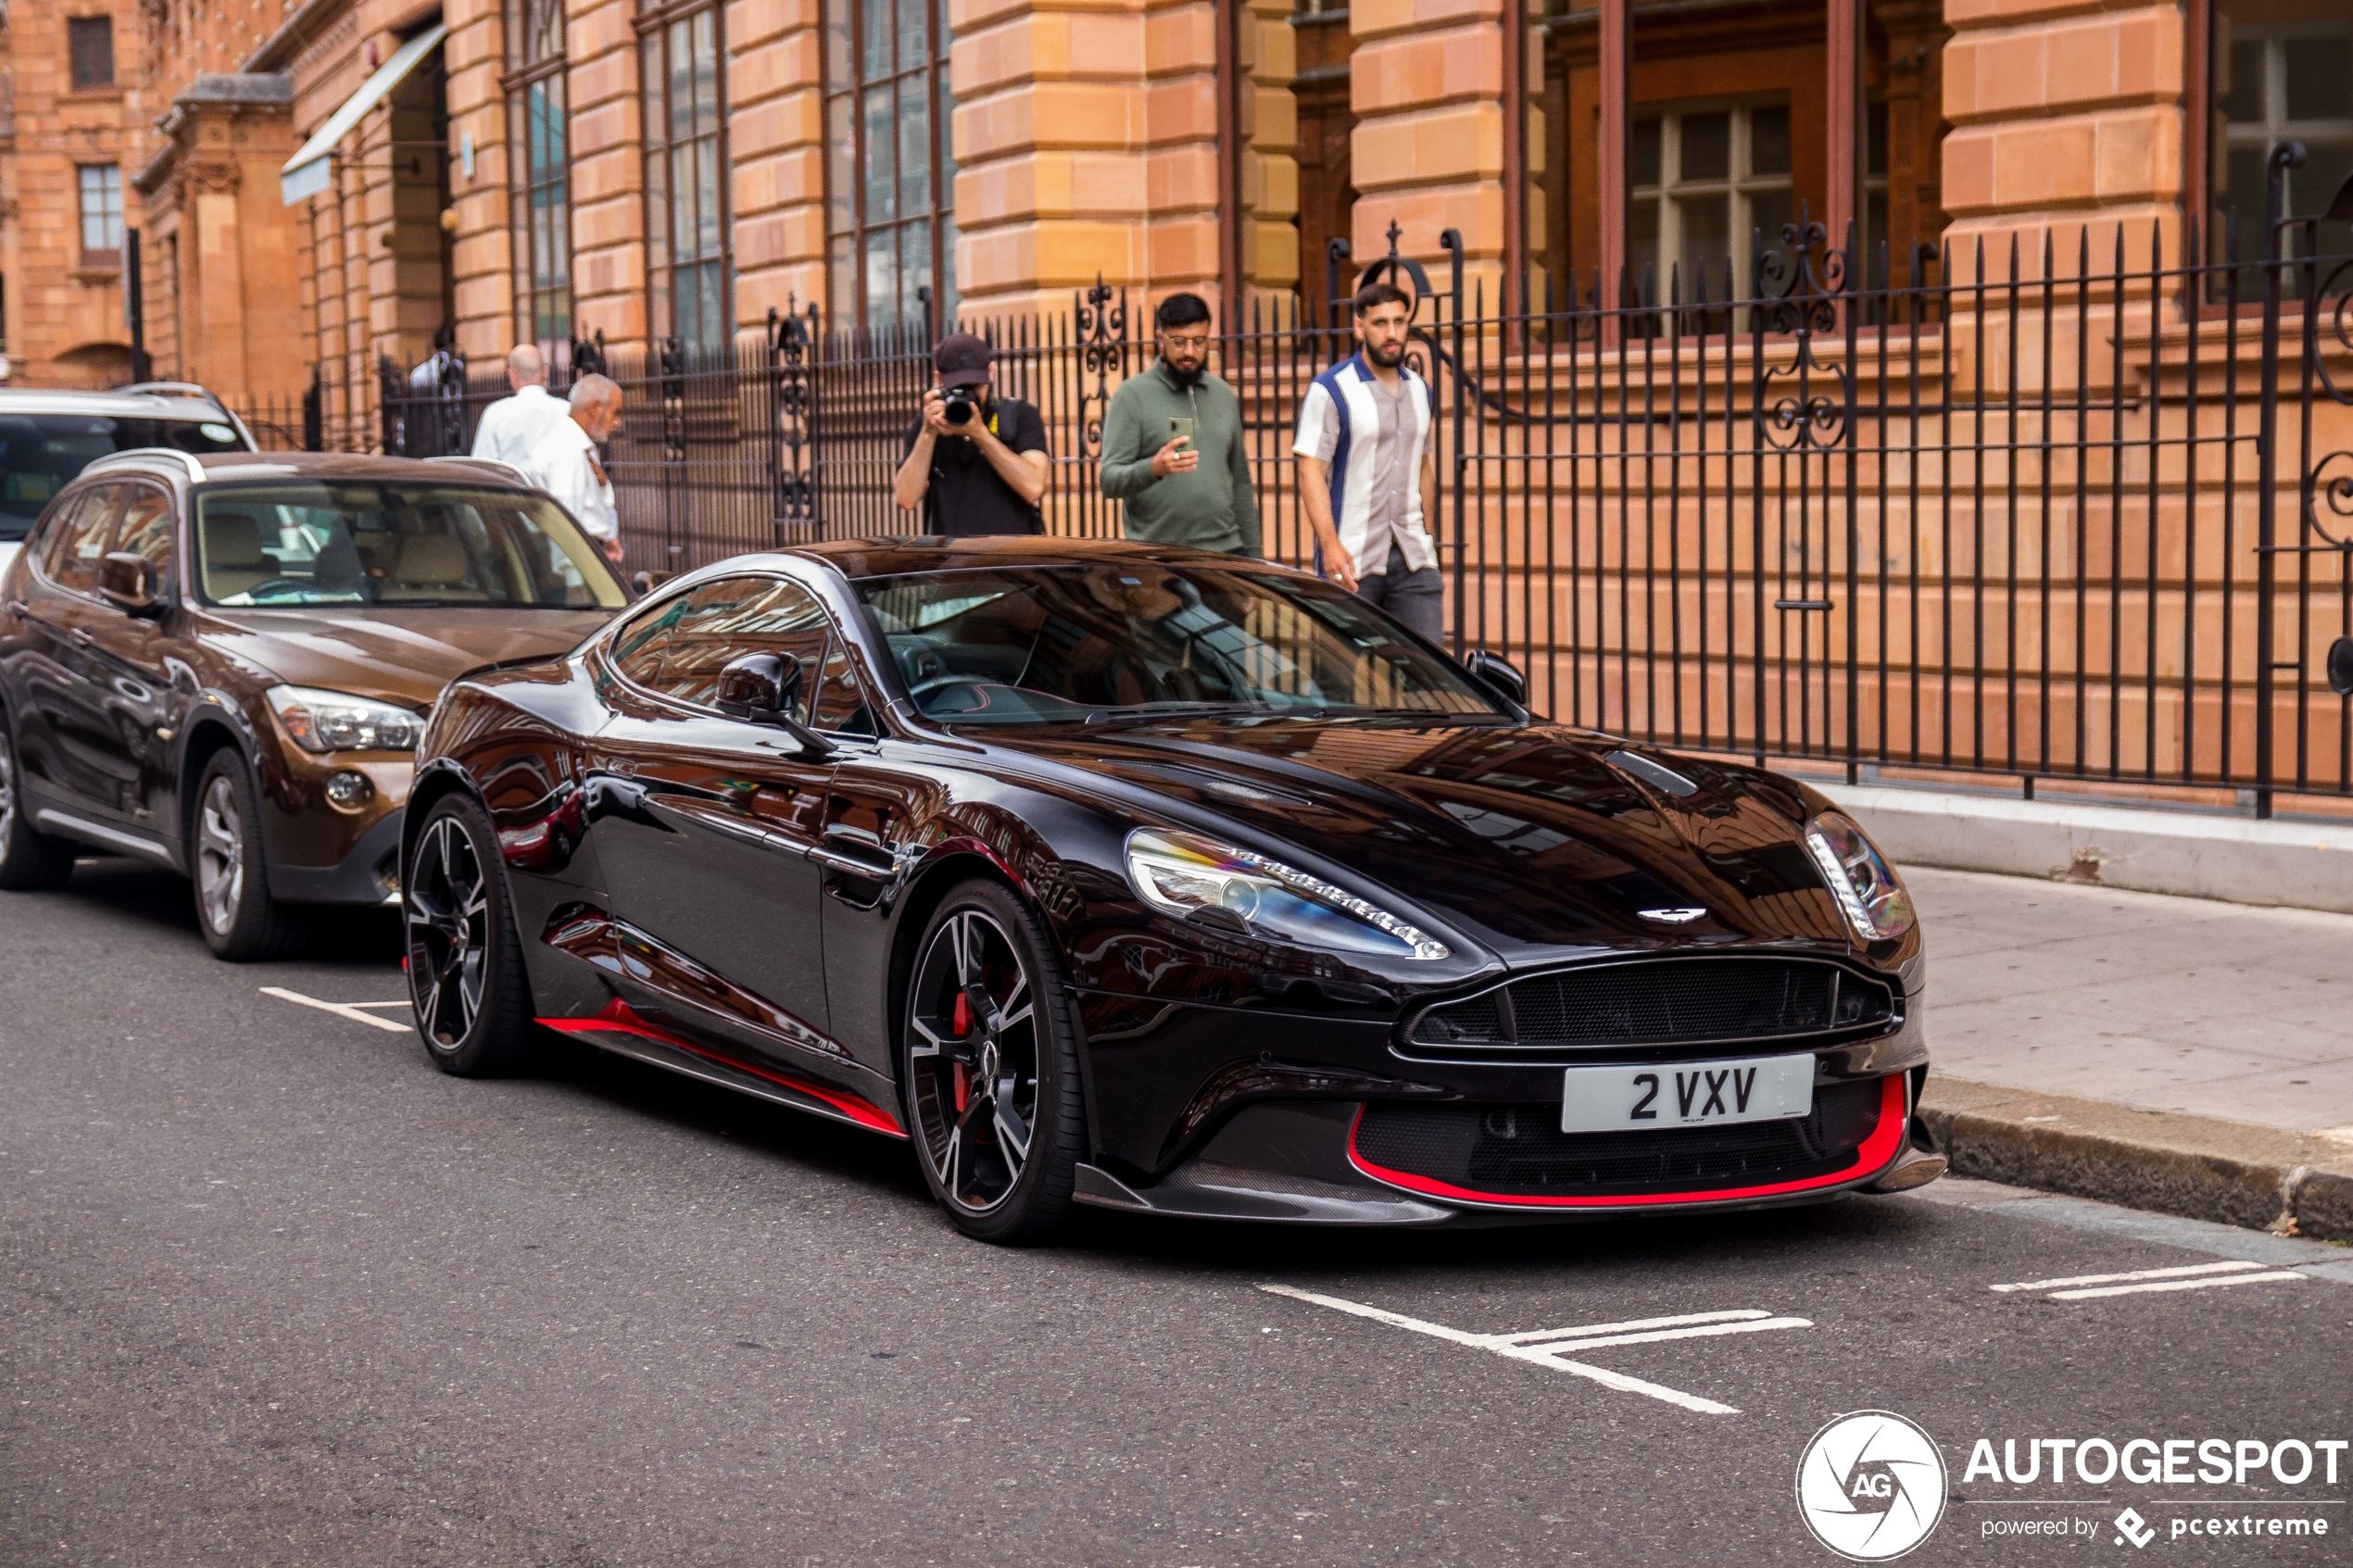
(687, 266)
(538, 151)
(890, 214)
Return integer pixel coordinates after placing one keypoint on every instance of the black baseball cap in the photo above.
(962, 359)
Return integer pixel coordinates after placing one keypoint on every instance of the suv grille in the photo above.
(1657, 1002)
(1518, 1150)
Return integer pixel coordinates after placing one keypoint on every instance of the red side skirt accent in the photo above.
(1877, 1150)
(620, 1018)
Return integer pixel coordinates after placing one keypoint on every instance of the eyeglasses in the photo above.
(1190, 340)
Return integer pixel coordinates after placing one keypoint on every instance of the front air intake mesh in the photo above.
(1658, 1002)
(1518, 1150)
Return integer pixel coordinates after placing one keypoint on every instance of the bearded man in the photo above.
(1172, 450)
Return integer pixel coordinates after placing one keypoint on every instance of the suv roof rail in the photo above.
(196, 469)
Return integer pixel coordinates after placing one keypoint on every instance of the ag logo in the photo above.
(1870, 1485)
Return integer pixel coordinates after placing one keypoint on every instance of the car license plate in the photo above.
(1689, 1093)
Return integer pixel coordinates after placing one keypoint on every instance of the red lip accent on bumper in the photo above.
(620, 1018)
(1875, 1152)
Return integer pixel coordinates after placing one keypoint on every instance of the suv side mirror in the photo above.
(127, 581)
(1498, 673)
(761, 688)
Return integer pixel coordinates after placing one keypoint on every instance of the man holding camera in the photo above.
(1172, 449)
(975, 463)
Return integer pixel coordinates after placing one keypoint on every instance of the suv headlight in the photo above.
(323, 721)
(1866, 888)
(1182, 872)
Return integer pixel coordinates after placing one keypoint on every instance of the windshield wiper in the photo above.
(1141, 712)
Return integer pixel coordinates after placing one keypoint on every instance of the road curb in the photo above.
(2199, 1167)
(2193, 854)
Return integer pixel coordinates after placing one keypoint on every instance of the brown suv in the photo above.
(222, 663)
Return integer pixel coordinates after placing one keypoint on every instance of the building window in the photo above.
(92, 42)
(101, 214)
(890, 220)
(2282, 81)
(1704, 180)
(686, 182)
(539, 175)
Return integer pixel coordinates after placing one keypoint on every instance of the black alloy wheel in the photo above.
(990, 1066)
(241, 922)
(30, 860)
(466, 981)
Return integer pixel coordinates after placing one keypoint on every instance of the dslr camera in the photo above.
(962, 402)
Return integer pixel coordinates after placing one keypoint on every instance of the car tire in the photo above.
(988, 1021)
(467, 987)
(240, 921)
(29, 860)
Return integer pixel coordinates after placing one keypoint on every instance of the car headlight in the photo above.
(1182, 872)
(1875, 902)
(323, 721)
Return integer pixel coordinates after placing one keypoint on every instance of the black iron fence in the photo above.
(2080, 508)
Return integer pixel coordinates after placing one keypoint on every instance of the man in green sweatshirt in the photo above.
(1172, 449)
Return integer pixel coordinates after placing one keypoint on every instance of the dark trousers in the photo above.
(1418, 599)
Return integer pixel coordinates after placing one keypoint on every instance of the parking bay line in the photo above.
(343, 1010)
(1549, 1348)
(2140, 1281)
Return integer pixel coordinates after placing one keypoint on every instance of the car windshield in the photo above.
(1126, 640)
(418, 546)
(40, 454)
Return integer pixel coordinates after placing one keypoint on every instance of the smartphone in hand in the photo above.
(1181, 428)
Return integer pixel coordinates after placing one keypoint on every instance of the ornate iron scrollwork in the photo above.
(1102, 327)
(1800, 297)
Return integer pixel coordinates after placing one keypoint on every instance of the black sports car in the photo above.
(1164, 882)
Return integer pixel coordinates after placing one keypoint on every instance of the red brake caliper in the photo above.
(962, 1022)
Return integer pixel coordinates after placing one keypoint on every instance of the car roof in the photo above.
(117, 405)
(891, 555)
(246, 467)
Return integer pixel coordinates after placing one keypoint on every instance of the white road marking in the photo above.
(2171, 1284)
(398, 1004)
(1548, 1347)
(342, 1010)
(2234, 1265)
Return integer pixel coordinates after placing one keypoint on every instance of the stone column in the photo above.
(474, 56)
(1428, 153)
(2063, 119)
(775, 129)
(608, 173)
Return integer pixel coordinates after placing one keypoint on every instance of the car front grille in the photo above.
(1517, 1150)
(1655, 1002)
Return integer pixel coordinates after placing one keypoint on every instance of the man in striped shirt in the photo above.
(1367, 474)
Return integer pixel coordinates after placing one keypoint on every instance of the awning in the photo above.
(305, 174)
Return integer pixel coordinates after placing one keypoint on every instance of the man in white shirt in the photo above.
(512, 426)
(564, 463)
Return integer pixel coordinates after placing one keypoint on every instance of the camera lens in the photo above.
(959, 410)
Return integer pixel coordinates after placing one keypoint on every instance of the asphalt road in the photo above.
(275, 1291)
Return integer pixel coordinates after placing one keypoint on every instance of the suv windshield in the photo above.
(1095, 643)
(364, 543)
(40, 454)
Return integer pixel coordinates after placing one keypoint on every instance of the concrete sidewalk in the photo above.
(2170, 1053)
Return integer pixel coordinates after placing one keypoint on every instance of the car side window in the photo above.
(145, 530)
(841, 705)
(721, 622)
(638, 647)
(77, 541)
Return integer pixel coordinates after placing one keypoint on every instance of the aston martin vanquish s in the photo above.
(1162, 882)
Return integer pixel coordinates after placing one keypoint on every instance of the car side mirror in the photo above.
(1498, 673)
(127, 581)
(761, 688)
